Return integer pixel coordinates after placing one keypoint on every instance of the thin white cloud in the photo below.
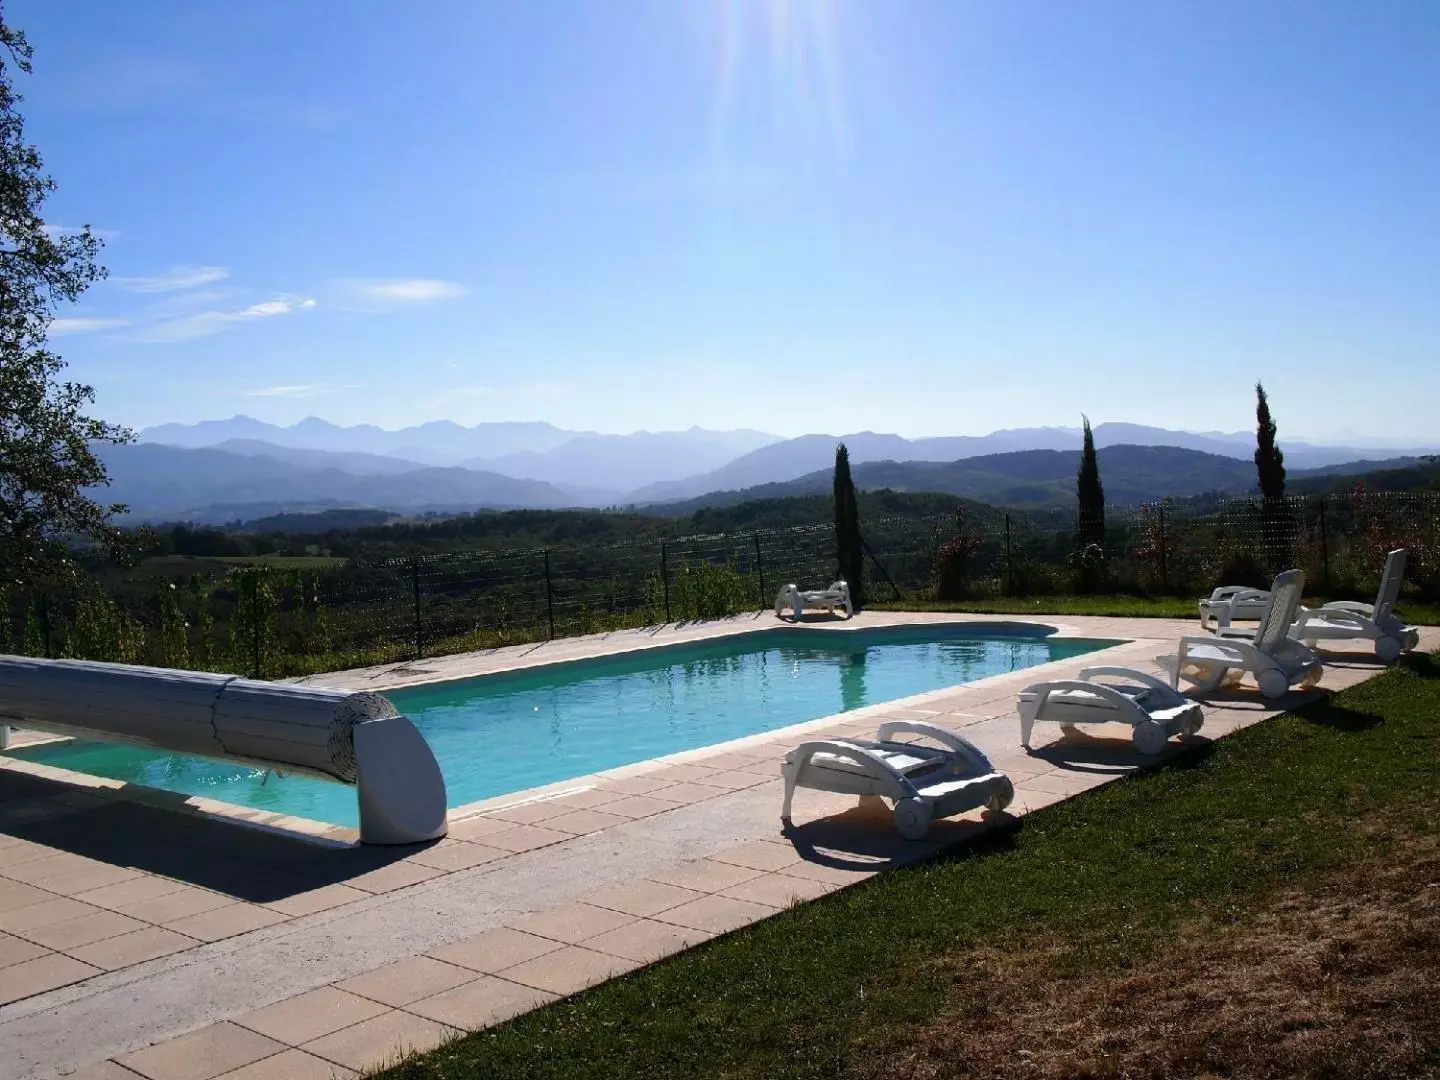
(304, 390)
(61, 327)
(388, 294)
(174, 279)
(205, 323)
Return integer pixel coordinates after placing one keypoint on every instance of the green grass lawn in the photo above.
(1121, 606)
(1102, 886)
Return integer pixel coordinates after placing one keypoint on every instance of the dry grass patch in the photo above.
(1337, 980)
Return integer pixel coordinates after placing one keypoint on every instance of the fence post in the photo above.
(1008, 558)
(665, 575)
(415, 596)
(549, 597)
(1164, 569)
(1324, 546)
(759, 569)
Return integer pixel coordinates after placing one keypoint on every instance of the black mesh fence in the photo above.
(267, 620)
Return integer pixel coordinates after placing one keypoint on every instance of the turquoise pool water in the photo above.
(500, 733)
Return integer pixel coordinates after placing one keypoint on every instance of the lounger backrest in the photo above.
(1390, 583)
(1280, 612)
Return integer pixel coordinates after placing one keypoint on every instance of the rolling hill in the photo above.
(1026, 479)
(796, 458)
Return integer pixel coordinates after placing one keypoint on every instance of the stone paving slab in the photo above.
(114, 913)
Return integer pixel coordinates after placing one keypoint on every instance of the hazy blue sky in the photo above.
(927, 217)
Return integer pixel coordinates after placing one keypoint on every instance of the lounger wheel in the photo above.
(1273, 683)
(912, 818)
(1193, 726)
(1312, 677)
(1149, 737)
(1002, 798)
(1387, 649)
(1412, 640)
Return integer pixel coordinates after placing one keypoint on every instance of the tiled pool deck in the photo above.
(136, 940)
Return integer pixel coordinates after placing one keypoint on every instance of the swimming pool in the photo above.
(508, 732)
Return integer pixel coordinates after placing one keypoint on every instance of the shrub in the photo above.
(1087, 565)
(952, 566)
(954, 560)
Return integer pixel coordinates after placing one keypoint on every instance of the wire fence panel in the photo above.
(266, 621)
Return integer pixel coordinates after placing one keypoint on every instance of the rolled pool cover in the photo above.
(307, 729)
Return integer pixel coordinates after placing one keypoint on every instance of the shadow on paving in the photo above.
(864, 838)
(1349, 659)
(248, 863)
(1080, 751)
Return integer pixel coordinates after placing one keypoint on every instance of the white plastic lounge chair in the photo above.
(1347, 619)
(923, 782)
(797, 599)
(1229, 603)
(1276, 660)
(1154, 709)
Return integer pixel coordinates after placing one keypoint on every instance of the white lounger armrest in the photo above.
(1153, 682)
(1359, 607)
(1333, 617)
(973, 755)
(1099, 690)
(1208, 641)
(1239, 592)
(867, 759)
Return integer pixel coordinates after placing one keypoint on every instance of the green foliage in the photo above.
(46, 457)
(1269, 460)
(708, 591)
(32, 640)
(102, 631)
(252, 629)
(201, 599)
(174, 630)
(1089, 493)
(849, 552)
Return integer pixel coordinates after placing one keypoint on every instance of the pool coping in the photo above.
(329, 833)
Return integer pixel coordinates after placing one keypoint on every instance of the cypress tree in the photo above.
(1089, 492)
(1269, 461)
(849, 554)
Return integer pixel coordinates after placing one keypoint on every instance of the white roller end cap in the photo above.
(400, 789)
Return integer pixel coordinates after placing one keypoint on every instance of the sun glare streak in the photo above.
(799, 94)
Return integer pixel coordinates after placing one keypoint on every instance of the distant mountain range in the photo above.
(441, 442)
(216, 470)
(593, 466)
(209, 485)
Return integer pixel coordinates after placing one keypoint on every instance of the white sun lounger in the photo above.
(1155, 710)
(1345, 619)
(797, 599)
(1231, 602)
(923, 782)
(1276, 660)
